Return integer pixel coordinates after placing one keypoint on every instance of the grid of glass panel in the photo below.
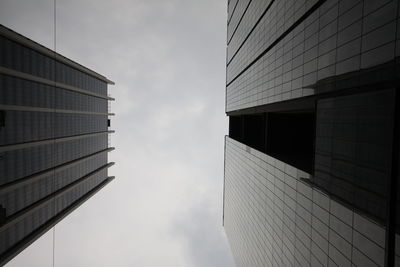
(20, 92)
(27, 194)
(16, 164)
(18, 231)
(231, 7)
(274, 218)
(337, 38)
(353, 150)
(21, 58)
(237, 33)
(273, 24)
(241, 6)
(25, 126)
(41, 180)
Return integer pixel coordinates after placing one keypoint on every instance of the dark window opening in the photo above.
(2, 215)
(235, 127)
(288, 137)
(108, 123)
(254, 131)
(2, 118)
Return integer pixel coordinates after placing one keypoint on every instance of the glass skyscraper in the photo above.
(312, 156)
(54, 128)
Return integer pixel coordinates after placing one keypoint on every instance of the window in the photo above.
(290, 138)
(2, 118)
(287, 136)
(2, 215)
(353, 151)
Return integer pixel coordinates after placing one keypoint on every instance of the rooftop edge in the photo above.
(12, 35)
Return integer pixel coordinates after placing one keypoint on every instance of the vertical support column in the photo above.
(393, 187)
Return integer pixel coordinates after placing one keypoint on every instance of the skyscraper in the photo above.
(312, 156)
(54, 128)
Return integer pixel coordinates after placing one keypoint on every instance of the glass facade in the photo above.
(312, 156)
(353, 150)
(54, 127)
(19, 163)
(18, 57)
(273, 217)
(297, 45)
(20, 92)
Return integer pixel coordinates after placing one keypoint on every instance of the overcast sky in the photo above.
(167, 59)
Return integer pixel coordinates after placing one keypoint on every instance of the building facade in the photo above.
(312, 157)
(54, 128)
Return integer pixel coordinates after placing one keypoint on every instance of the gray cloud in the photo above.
(167, 59)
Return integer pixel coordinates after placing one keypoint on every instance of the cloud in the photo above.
(167, 59)
(198, 231)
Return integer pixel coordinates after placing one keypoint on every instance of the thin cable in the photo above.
(54, 143)
(54, 240)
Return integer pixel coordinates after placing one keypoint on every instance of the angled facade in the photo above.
(312, 156)
(54, 128)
